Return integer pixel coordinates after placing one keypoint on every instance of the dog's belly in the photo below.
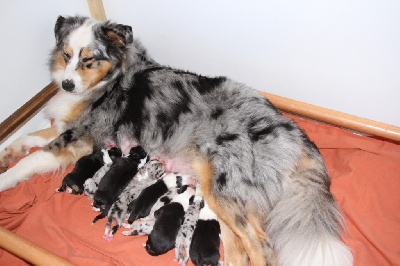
(176, 165)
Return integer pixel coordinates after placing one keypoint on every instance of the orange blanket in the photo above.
(365, 176)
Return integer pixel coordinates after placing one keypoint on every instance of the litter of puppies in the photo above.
(168, 207)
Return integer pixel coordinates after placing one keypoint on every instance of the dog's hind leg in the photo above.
(234, 253)
(243, 223)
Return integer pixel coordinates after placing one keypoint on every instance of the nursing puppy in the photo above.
(260, 174)
(85, 168)
(109, 156)
(185, 234)
(204, 247)
(168, 221)
(141, 207)
(116, 179)
(146, 176)
(136, 226)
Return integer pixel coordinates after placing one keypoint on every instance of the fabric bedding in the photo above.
(365, 175)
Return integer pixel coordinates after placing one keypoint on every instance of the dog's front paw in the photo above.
(6, 182)
(12, 153)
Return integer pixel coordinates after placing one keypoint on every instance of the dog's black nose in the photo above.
(68, 85)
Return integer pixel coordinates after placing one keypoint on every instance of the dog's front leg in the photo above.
(59, 153)
(21, 146)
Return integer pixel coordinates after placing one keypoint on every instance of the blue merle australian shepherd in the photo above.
(260, 174)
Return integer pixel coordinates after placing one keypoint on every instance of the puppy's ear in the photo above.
(118, 34)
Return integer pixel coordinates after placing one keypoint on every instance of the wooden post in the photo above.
(97, 10)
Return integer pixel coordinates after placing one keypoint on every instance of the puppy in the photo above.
(204, 248)
(116, 179)
(85, 168)
(109, 156)
(185, 234)
(136, 226)
(259, 172)
(168, 221)
(141, 206)
(147, 175)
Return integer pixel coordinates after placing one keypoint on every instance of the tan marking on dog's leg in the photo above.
(262, 236)
(252, 241)
(234, 253)
(73, 152)
(49, 133)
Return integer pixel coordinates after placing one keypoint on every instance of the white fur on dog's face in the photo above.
(76, 62)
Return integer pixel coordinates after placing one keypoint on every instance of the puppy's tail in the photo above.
(306, 224)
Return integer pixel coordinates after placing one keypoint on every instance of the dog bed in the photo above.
(365, 175)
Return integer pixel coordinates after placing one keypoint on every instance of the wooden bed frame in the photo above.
(36, 255)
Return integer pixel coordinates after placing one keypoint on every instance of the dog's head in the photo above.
(88, 53)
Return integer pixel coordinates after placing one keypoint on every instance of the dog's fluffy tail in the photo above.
(305, 227)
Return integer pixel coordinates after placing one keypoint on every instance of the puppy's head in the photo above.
(87, 52)
(114, 153)
(139, 155)
(100, 200)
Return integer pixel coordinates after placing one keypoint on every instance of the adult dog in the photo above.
(260, 174)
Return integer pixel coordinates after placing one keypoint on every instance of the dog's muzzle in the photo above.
(68, 85)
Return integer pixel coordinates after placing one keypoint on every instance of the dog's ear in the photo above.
(64, 26)
(118, 34)
(57, 28)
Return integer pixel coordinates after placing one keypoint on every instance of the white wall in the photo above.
(342, 55)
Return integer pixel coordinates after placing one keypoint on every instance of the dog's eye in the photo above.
(87, 59)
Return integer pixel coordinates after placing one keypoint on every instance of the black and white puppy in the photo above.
(147, 175)
(204, 248)
(85, 168)
(169, 218)
(116, 179)
(109, 156)
(144, 226)
(141, 207)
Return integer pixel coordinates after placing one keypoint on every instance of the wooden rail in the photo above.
(336, 118)
(27, 250)
(26, 111)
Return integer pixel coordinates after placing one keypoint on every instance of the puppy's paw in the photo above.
(126, 225)
(130, 233)
(108, 237)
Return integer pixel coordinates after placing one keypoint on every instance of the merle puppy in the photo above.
(185, 234)
(86, 167)
(141, 207)
(204, 248)
(168, 221)
(116, 179)
(147, 175)
(145, 225)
